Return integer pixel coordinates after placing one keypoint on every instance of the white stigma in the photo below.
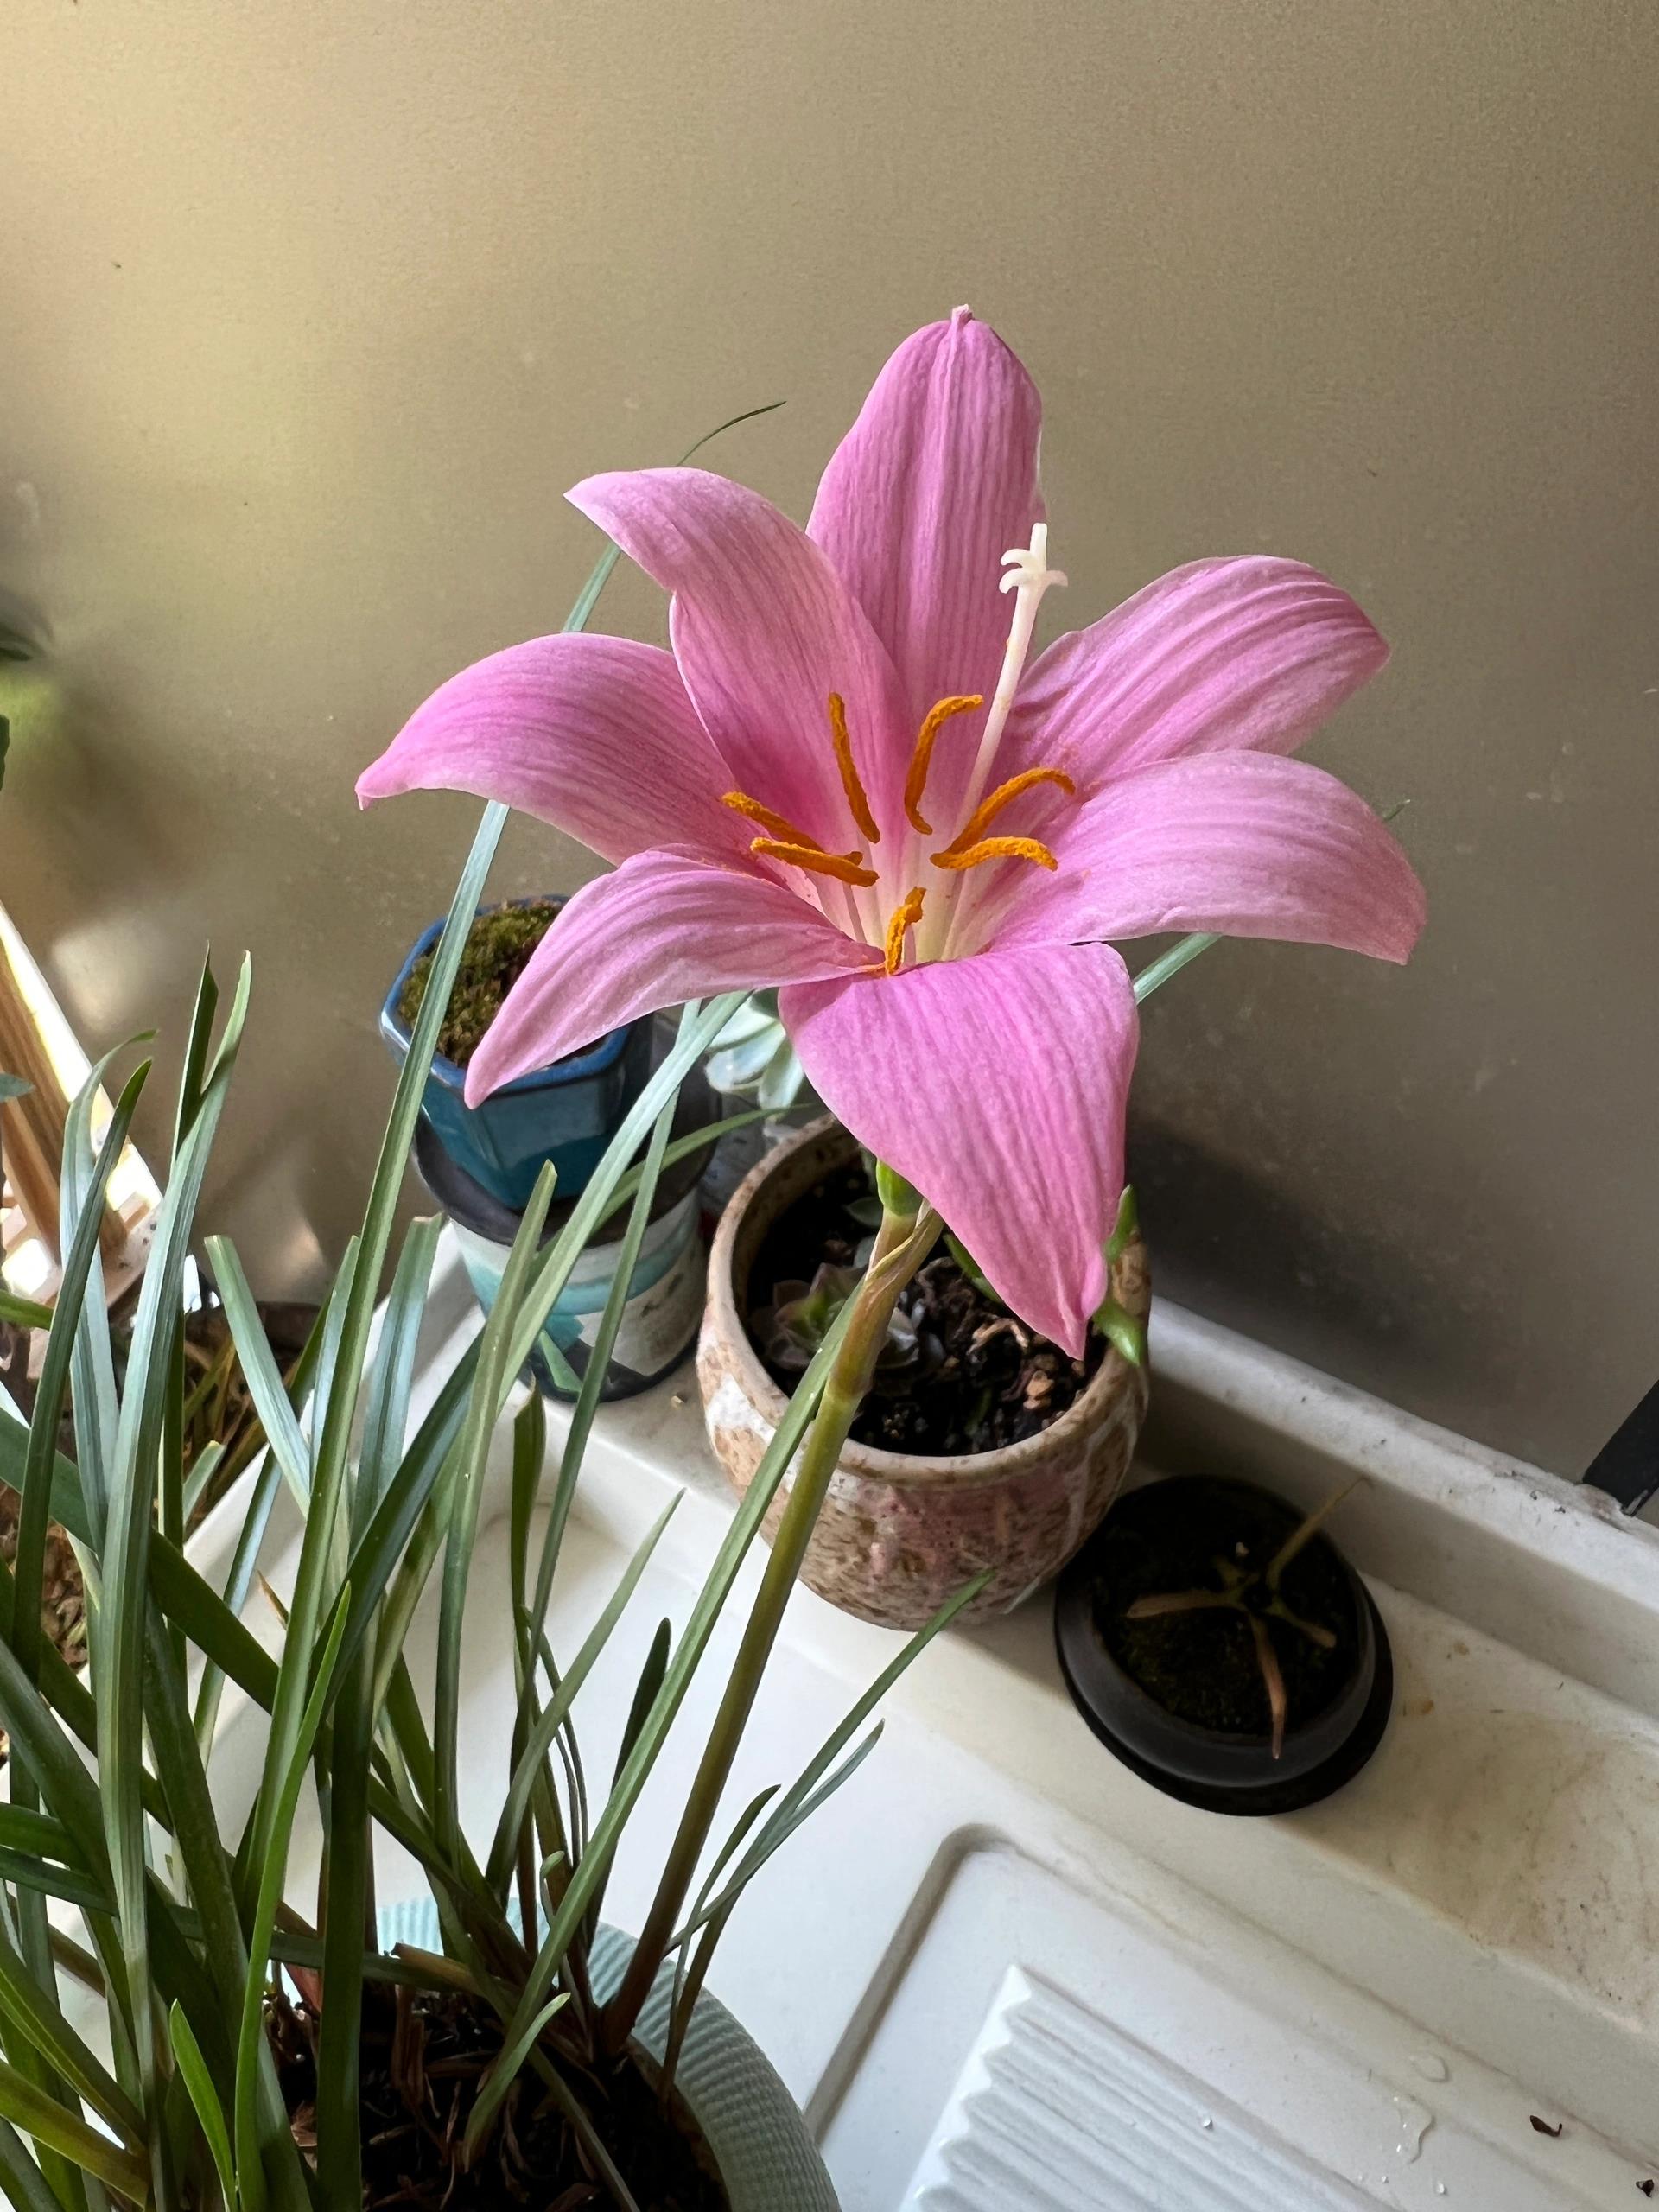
(1028, 570)
(1028, 576)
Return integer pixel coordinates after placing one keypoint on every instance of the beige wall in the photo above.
(312, 309)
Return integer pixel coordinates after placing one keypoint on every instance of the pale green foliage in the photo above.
(184, 1927)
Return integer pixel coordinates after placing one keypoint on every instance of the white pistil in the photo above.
(1028, 577)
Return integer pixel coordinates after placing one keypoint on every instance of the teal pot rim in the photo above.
(465, 1200)
(767, 2161)
(575, 1067)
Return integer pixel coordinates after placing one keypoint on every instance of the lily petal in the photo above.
(1243, 843)
(934, 482)
(1248, 655)
(665, 926)
(764, 631)
(997, 1085)
(593, 734)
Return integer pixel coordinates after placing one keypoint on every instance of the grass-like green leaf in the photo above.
(490, 1383)
(334, 1433)
(799, 1799)
(1157, 972)
(689, 1973)
(26, 2003)
(587, 1405)
(250, 2041)
(24, 1624)
(277, 1416)
(644, 1691)
(54, 2127)
(503, 2071)
(27, 1640)
(92, 1365)
(571, 1679)
(193, 2071)
(348, 1845)
(598, 1198)
(54, 1880)
(694, 1640)
(25, 2187)
(119, 1623)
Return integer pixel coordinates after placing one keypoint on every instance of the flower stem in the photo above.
(902, 1243)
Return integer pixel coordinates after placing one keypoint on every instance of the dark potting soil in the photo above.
(499, 946)
(1203, 1667)
(423, 2054)
(978, 1379)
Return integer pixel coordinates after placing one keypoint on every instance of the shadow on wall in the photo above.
(1346, 1304)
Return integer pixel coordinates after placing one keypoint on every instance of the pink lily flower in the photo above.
(849, 778)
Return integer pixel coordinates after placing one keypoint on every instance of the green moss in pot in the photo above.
(566, 1113)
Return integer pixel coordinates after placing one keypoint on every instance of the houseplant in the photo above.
(209, 2068)
(1221, 1646)
(851, 781)
(566, 1112)
(979, 1444)
(224, 2083)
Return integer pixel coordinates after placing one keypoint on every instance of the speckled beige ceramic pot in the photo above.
(900, 1533)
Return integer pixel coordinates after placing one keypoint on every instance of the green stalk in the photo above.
(1159, 971)
(903, 1242)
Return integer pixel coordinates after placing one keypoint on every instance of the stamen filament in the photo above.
(916, 782)
(856, 801)
(779, 825)
(846, 868)
(1004, 796)
(996, 848)
(904, 918)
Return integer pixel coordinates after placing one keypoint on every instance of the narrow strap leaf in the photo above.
(1159, 971)
(513, 1810)
(192, 2068)
(56, 2128)
(25, 2003)
(635, 1769)
(503, 2072)
(272, 1870)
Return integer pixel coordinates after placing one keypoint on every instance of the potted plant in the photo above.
(566, 1113)
(1219, 1643)
(853, 782)
(981, 1445)
(244, 2053)
(247, 2051)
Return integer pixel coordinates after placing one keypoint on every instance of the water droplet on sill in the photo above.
(1430, 2065)
(1415, 2120)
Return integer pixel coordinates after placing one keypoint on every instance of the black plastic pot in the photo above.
(1222, 1770)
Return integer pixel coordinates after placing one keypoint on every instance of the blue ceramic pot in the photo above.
(665, 1302)
(568, 1113)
